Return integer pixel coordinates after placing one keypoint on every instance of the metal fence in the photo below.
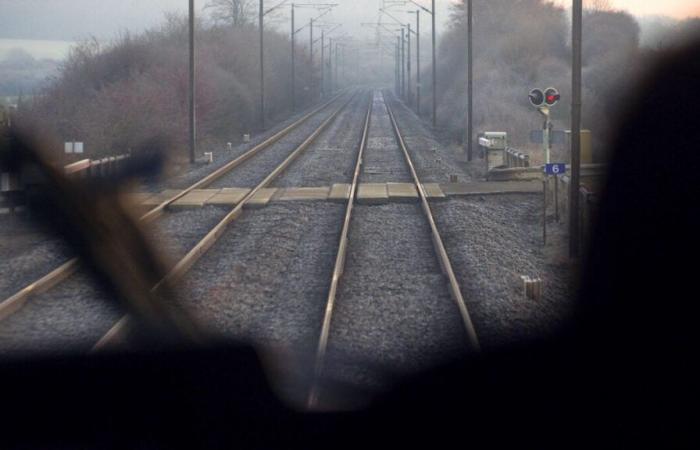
(516, 158)
(13, 186)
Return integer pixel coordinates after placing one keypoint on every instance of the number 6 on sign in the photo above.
(555, 169)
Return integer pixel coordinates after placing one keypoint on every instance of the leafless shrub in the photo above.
(525, 44)
(113, 97)
(232, 12)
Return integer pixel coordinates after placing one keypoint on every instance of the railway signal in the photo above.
(543, 100)
(536, 97)
(551, 96)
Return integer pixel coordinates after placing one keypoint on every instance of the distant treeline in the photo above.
(526, 44)
(115, 97)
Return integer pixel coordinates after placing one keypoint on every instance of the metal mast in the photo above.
(193, 119)
(574, 225)
(262, 67)
(470, 81)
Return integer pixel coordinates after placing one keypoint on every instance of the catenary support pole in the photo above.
(403, 63)
(418, 86)
(434, 68)
(397, 69)
(262, 66)
(311, 46)
(470, 81)
(408, 66)
(294, 81)
(337, 60)
(193, 118)
(576, 39)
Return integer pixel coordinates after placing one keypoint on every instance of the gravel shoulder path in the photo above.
(436, 162)
(491, 242)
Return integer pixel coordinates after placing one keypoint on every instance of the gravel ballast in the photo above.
(393, 312)
(267, 278)
(383, 161)
(223, 156)
(28, 253)
(331, 159)
(253, 171)
(73, 316)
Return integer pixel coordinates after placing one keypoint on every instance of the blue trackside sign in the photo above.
(555, 169)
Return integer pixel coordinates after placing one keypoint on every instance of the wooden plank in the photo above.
(402, 192)
(229, 196)
(195, 198)
(305, 194)
(433, 190)
(339, 192)
(372, 193)
(261, 198)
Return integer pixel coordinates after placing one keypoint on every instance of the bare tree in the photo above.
(598, 5)
(234, 12)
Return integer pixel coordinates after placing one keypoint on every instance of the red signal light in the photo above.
(552, 96)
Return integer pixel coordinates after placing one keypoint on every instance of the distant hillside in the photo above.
(20, 73)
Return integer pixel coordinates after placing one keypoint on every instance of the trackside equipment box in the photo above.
(494, 144)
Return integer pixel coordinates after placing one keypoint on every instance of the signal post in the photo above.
(543, 101)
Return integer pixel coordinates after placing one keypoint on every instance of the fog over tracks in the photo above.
(266, 279)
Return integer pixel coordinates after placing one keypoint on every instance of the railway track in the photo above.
(121, 328)
(384, 167)
(16, 302)
(340, 266)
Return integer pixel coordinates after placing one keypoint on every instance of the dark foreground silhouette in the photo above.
(622, 375)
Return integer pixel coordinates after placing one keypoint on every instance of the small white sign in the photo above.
(74, 147)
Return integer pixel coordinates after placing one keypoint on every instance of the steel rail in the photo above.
(121, 327)
(438, 244)
(17, 301)
(441, 253)
(339, 266)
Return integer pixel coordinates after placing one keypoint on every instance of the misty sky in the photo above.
(679, 9)
(71, 20)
